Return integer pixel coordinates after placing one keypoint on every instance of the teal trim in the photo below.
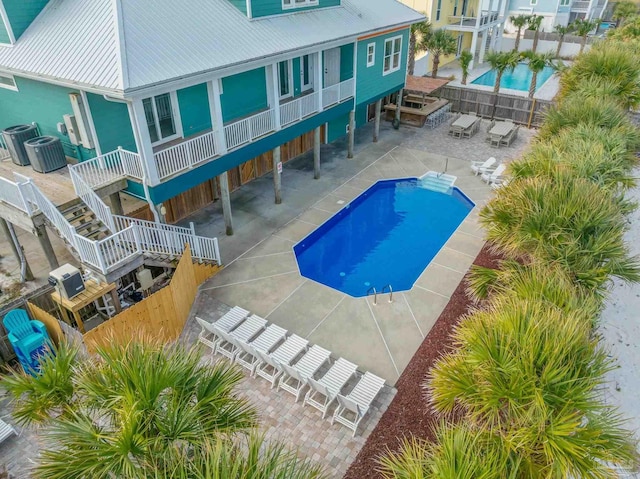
(22, 13)
(265, 8)
(112, 123)
(371, 83)
(240, 5)
(44, 104)
(346, 61)
(194, 109)
(214, 168)
(337, 128)
(243, 94)
(297, 81)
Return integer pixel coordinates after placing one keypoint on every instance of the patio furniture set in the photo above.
(502, 133)
(288, 362)
(493, 172)
(465, 126)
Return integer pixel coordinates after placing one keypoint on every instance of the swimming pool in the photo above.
(518, 79)
(386, 236)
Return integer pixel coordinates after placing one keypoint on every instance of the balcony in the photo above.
(191, 152)
(466, 23)
(580, 6)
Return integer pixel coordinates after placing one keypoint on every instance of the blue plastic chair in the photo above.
(29, 338)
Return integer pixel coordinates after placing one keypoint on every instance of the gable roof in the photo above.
(118, 46)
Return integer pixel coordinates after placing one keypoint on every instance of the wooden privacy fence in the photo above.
(524, 111)
(161, 315)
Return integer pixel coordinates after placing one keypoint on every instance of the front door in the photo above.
(331, 67)
(306, 73)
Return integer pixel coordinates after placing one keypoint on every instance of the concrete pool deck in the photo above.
(379, 338)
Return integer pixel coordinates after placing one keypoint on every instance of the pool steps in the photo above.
(440, 182)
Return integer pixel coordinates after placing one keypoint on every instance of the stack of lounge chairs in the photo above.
(289, 363)
(492, 172)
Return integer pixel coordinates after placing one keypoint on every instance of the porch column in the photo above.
(376, 124)
(116, 204)
(399, 104)
(316, 153)
(483, 46)
(277, 183)
(273, 93)
(352, 133)
(47, 248)
(215, 110)
(144, 147)
(226, 203)
(8, 228)
(317, 82)
(474, 45)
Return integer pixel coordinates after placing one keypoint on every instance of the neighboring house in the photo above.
(477, 24)
(556, 12)
(201, 94)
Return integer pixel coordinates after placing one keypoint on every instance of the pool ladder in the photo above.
(375, 293)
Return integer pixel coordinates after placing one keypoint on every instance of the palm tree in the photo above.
(624, 11)
(501, 62)
(419, 31)
(536, 63)
(628, 33)
(110, 416)
(562, 31)
(534, 23)
(526, 374)
(519, 22)
(441, 42)
(583, 28)
(465, 60)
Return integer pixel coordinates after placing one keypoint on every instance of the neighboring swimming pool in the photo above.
(518, 79)
(386, 236)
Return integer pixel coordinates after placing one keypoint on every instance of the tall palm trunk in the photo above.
(436, 63)
(496, 90)
(412, 53)
(583, 43)
(559, 46)
(516, 46)
(533, 84)
(536, 37)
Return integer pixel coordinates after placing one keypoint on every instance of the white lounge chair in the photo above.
(6, 431)
(295, 377)
(270, 367)
(479, 167)
(226, 323)
(496, 175)
(323, 392)
(499, 183)
(357, 401)
(229, 346)
(268, 340)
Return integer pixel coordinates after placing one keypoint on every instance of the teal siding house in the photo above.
(195, 92)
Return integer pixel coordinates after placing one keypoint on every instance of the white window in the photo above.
(285, 79)
(8, 82)
(392, 52)
(161, 118)
(564, 3)
(286, 4)
(438, 10)
(533, 2)
(371, 54)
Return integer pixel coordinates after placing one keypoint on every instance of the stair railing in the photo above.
(92, 200)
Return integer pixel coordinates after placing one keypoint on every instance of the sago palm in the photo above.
(441, 42)
(529, 373)
(108, 416)
(566, 220)
(536, 63)
(519, 22)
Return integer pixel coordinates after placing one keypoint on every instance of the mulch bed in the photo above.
(409, 414)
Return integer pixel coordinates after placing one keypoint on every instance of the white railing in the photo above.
(580, 5)
(12, 193)
(347, 89)
(296, 110)
(4, 151)
(338, 92)
(109, 167)
(187, 154)
(248, 129)
(92, 200)
(118, 248)
(486, 17)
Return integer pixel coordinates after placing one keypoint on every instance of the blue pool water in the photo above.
(387, 235)
(518, 79)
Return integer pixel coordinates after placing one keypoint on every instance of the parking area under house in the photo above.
(261, 275)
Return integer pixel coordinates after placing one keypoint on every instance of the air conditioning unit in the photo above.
(68, 280)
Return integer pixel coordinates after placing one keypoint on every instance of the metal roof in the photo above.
(122, 45)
